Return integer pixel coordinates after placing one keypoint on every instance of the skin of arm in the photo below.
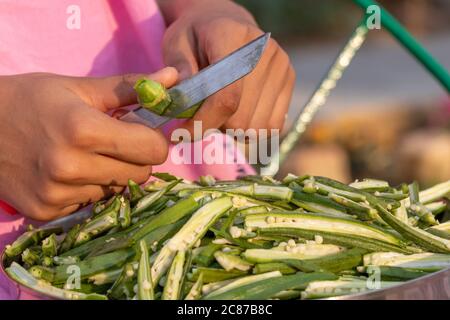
(201, 32)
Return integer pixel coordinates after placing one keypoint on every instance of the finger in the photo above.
(279, 113)
(269, 92)
(83, 195)
(179, 52)
(53, 194)
(217, 109)
(251, 95)
(117, 91)
(82, 168)
(99, 133)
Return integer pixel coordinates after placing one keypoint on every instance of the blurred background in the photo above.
(387, 118)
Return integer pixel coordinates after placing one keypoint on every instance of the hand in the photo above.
(203, 32)
(60, 150)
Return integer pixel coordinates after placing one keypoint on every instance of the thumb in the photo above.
(117, 91)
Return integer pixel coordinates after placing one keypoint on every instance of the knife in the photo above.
(187, 94)
(205, 83)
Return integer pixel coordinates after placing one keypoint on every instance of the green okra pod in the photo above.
(174, 281)
(29, 238)
(152, 95)
(231, 262)
(190, 233)
(124, 284)
(136, 193)
(145, 282)
(389, 273)
(50, 246)
(420, 237)
(22, 276)
(30, 257)
(148, 200)
(267, 288)
(344, 260)
(69, 239)
(274, 266)
(94, 265)
(214, 274)
(195, 292)
(44, 273)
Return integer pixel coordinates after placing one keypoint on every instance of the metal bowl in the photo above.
(435, 286)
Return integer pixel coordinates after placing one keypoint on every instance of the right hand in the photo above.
(58, 148)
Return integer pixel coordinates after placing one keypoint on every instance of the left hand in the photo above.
(206, 32)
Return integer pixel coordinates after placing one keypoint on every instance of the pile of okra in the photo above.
(302, 237)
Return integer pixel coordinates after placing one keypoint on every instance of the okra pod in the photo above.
(190, 233)
(344, 260)
(426, 261)
(268, 288)
(94, 265)
(390, 273)
(29, 238)
(370, 185)
(420, 237)
(44, 273)
(30, 257)
(69, 239)
(124, 213)
(104, 221)
(105, 277)
(145, 281)
(214, 274)
(196, 290)
(22, 276)
(152, 96)
(148, 200)
(136, 193)
(230, 262)
(50, 246)
(341, 287)
(442, 230)
(437, 192)
(320, 222)
(317, 203)
(205, 255)
(346, 240)
(273, 266)
(125, 282)
(169, 215)
(174, 280)
(299, 252)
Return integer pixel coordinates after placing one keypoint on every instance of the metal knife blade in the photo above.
(205, 83)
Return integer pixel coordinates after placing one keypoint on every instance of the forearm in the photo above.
(174, 9)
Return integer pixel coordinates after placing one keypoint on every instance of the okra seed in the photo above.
(146, 285)
(270, 220)
(318, 239)
(291, 243)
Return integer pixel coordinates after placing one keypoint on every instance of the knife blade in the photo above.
(205, 83)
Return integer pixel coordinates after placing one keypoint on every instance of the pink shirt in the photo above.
(85, 37)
